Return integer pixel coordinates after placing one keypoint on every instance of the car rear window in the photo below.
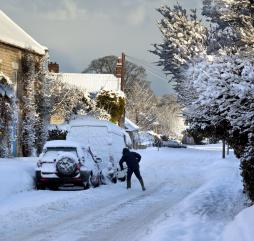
(52, 152)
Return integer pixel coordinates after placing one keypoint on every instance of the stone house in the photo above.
(14, 44)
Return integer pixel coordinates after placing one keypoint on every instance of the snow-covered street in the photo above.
(191, 195)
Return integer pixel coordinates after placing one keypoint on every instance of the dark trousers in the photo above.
(135, 171)
(137, 174)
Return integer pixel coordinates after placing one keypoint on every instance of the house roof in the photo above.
(130, 126)
(12, 34)
(90, 82)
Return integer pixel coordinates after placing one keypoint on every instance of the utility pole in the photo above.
(223, 148)
(122, 72)
(120, 75)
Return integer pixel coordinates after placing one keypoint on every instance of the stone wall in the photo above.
(10, 65)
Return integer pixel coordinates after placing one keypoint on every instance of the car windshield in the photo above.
(52, 152)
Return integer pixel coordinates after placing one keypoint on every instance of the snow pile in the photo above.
(241, 229)
(16, 175)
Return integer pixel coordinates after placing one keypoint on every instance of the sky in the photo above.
(78, 31)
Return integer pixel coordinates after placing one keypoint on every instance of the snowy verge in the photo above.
(241, 229)
(204, 213)
(16, 175)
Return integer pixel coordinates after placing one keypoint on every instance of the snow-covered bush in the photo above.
(113, 102)
(214, 75)
(67, 100)
(7, 115)
(42, 101)
(29, 110)
(224, 108)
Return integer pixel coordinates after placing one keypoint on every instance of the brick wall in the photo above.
(10, 63)
(8, 56)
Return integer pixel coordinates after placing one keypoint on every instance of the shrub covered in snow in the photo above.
(113, 102)
(216, 73)
(7, 115)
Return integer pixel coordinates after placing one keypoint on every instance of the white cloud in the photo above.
(67, 10)
(137, 16)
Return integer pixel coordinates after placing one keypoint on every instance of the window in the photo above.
(15, 68)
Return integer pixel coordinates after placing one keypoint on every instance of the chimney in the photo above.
(119, 66)
(120, 70)
(53, 67)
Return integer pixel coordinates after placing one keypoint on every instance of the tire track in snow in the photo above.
(126, 218)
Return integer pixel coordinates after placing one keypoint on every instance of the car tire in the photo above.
(54, 187)
(86, 185)
(114, 179)
(103, 180)
(95, 181)
(39, 186)
(122, 179)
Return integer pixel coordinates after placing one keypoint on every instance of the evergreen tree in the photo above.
(43, 102)
(231, 24)
(30, 115)
(184, 38)
(8, 113)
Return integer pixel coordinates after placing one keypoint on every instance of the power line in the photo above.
(149, 68)
(144, 62)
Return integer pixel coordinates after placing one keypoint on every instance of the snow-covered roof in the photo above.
(90, 82)
(91, 121)
(130, 126)
(12, 34)
(61, 143)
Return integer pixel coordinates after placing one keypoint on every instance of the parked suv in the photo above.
(66, 163)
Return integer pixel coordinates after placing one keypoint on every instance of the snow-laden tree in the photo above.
(169, 115)
(224, 107)
(140, 99)
(29, 109)
(184, 38)
(231, 24)
(107, 65)
(141, 106)
(113, 102)
(67, 100)
(7, 115)
(43, 102)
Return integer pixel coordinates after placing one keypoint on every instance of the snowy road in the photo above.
(191, 195)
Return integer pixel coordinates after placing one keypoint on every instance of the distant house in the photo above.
(14, 44)
(133, 130)
(91, 83)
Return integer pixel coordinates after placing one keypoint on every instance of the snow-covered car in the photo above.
(105, 139)
(172, 143)
(66, 163)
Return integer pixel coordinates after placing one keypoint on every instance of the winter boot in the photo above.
(142, 184)
(128, 184)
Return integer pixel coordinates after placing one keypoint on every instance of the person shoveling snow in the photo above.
(132, 160)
